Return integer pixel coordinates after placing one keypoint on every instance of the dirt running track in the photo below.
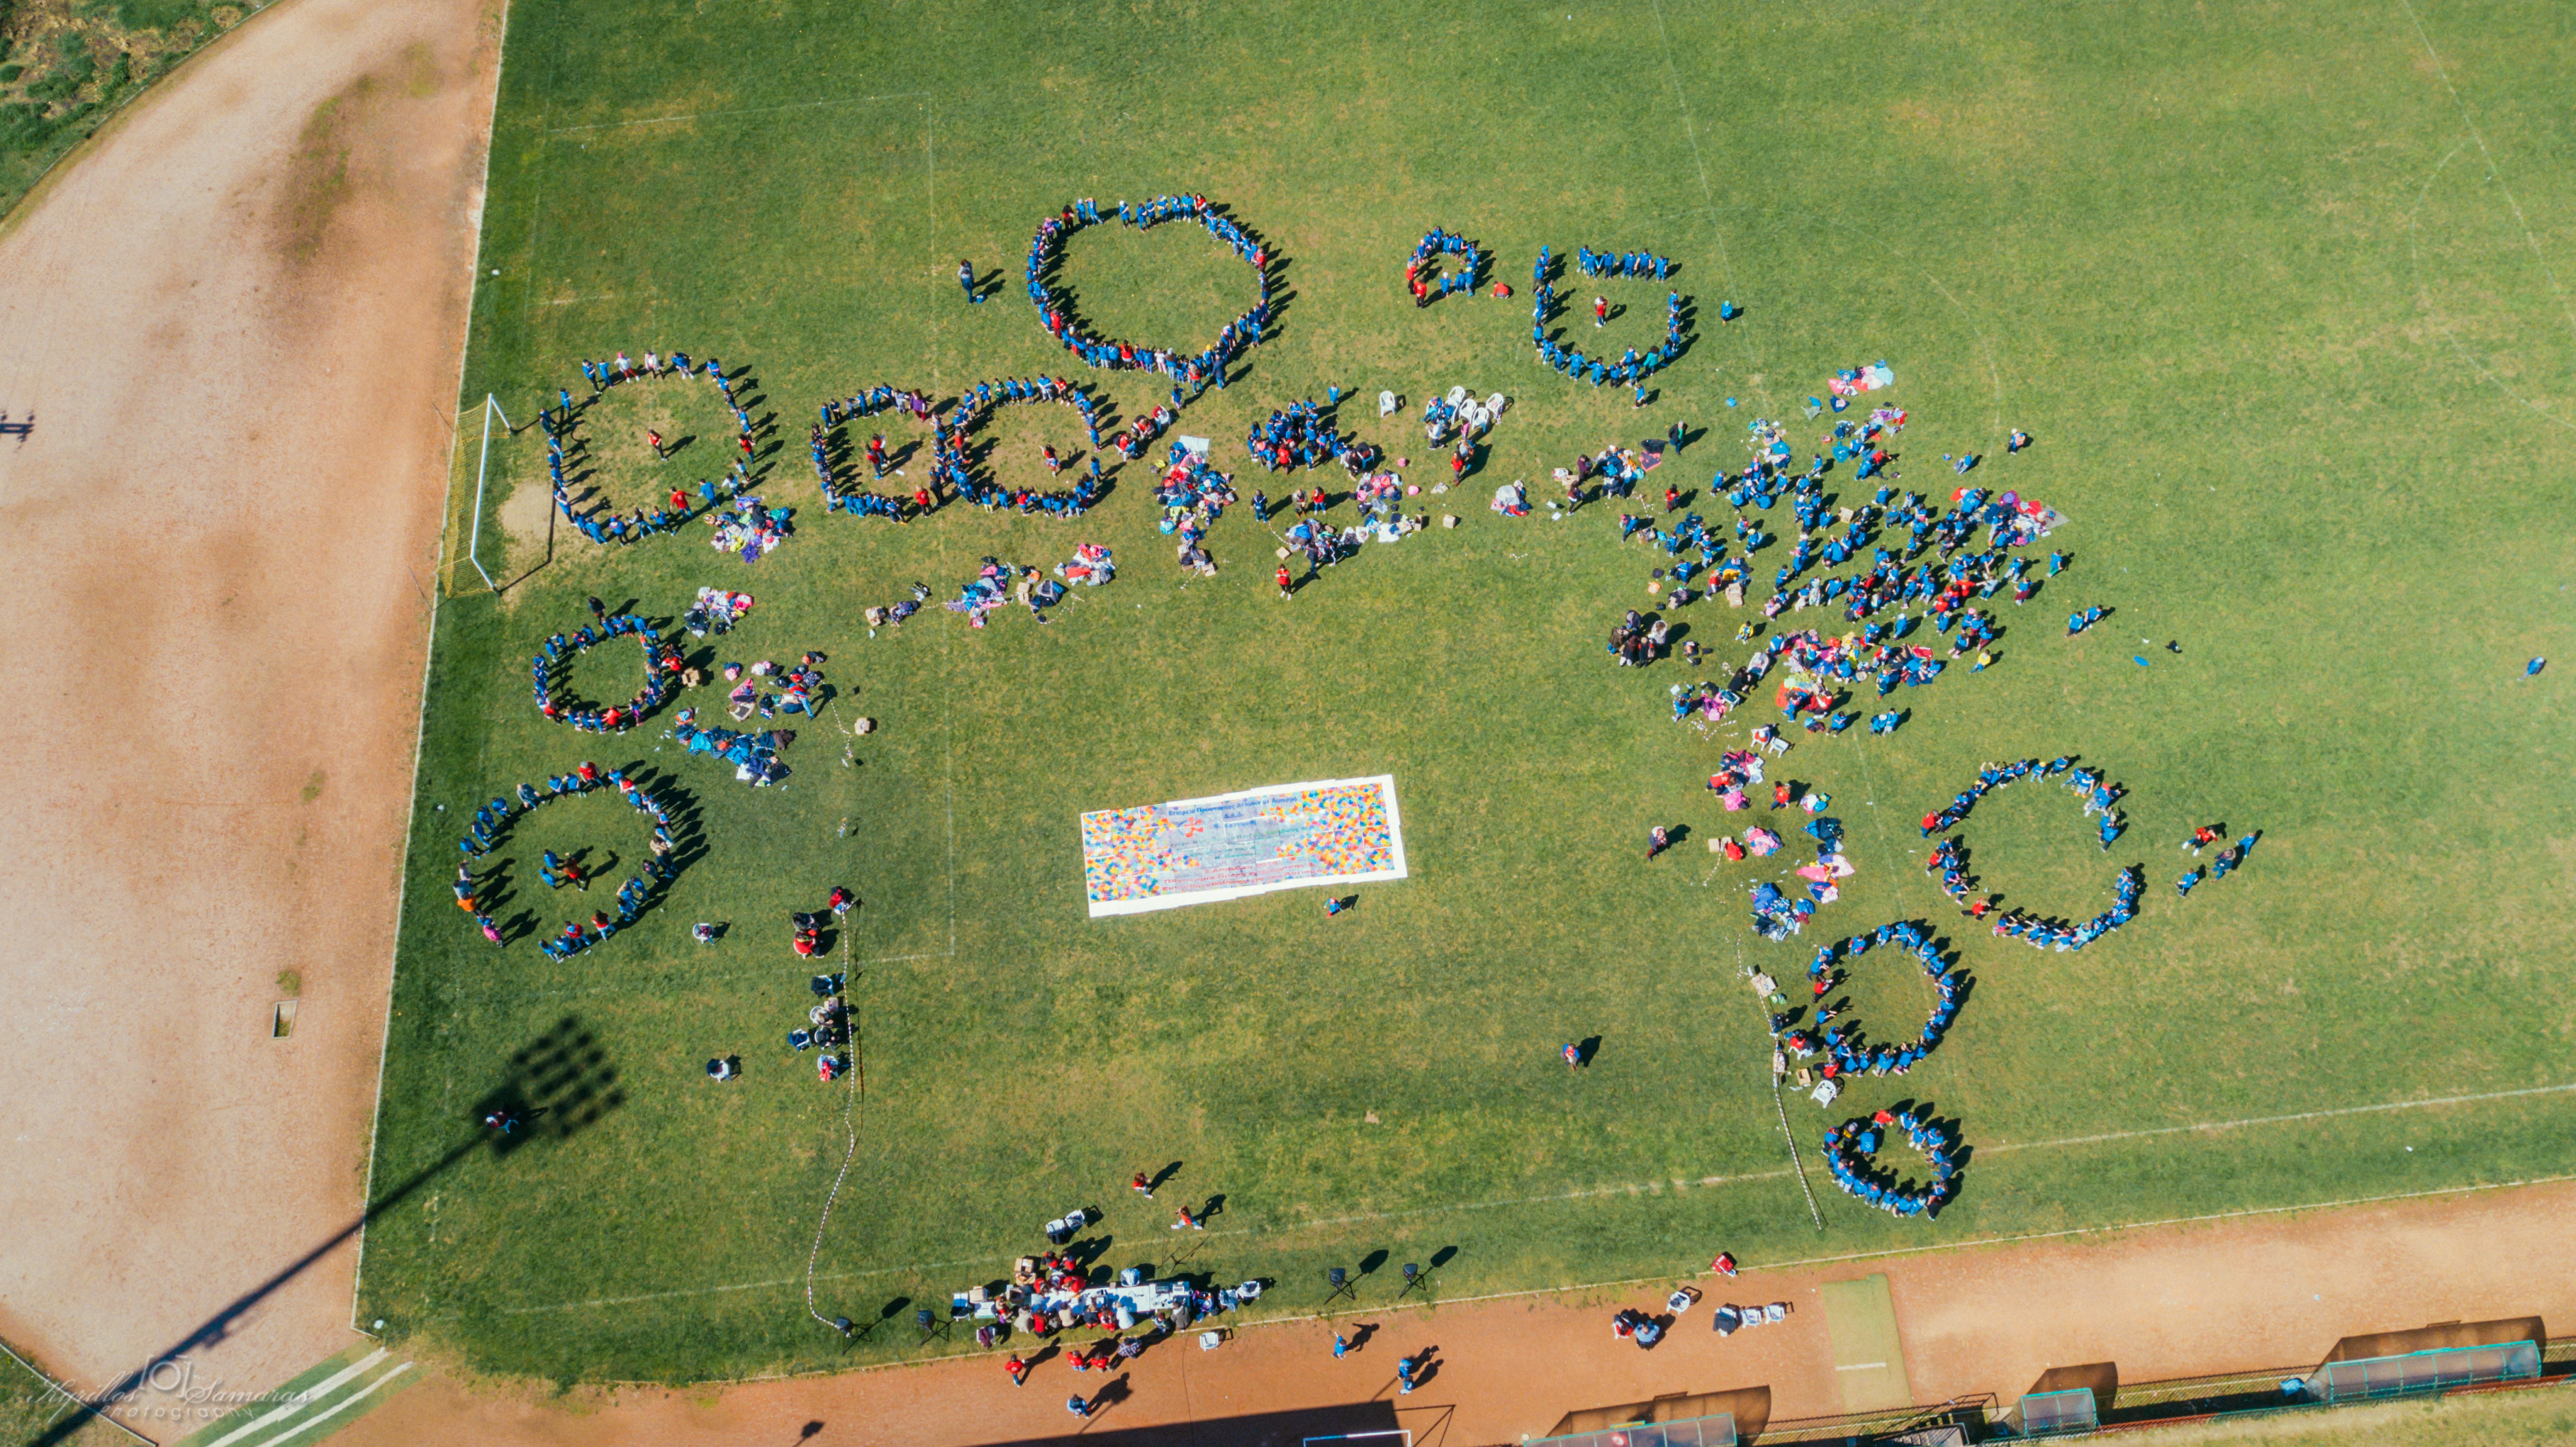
(236, 319)
(2249, 1294)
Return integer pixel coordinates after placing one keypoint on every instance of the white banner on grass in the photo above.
(1287, 836)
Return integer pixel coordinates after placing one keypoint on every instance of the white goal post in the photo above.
(474, 541)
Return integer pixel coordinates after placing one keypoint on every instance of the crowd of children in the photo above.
(952, 465)
(1849, 1146)
(1639, 265)
(2045, 934)
(827, 1025)
(1305, 436)
(1631, 369)
(601, 524)
(492, 823)
(1846, 1051)
(662, 673)
(1055, 304)
(1422, 274)
(2097, 792)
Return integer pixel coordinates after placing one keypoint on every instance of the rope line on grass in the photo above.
(849, 1123)
(1800, 1166)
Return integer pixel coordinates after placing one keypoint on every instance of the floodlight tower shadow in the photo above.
(555, 1087)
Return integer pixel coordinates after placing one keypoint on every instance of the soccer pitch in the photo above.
(2285, 318)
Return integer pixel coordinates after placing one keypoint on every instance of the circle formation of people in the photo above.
(1055, 303)
(953, 463)
(2100, 796)
(1423, 276)
(1303, 436)
(601, 523)
(1630, 370)
(662, 669)
(1849, 1146)
(852, 496)
(1845, 1050)
(494, 820)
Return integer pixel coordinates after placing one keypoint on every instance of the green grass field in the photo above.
(2298, 366)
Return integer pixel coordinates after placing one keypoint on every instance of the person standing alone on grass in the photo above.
(1286, 584)
(1657, 841)
(1142, 1186)
(1573, 1055)
(1600, 311)
(966, 279)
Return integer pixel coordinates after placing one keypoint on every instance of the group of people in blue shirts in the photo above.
(492, 822)
(1849, 1146)
(662, 664)
(1055, 304)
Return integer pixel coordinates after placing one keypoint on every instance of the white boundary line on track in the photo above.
(336, 1408)
(305, 1398)
(1643, 1188)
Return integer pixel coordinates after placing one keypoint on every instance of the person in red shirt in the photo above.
(1600, 310)
(1019, 1371)
(1285, 588)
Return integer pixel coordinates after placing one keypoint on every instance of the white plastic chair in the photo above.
(1388, 404)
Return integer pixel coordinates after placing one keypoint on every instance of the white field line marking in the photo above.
(808, 105)
(1772, 1175)
(323, 1388)
(2565, 306)
(2424, 294)
(336, 1408)
(2225, 1125)
(1779, 1266)
(1690, 132)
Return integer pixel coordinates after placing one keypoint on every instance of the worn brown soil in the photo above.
(236, 318)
